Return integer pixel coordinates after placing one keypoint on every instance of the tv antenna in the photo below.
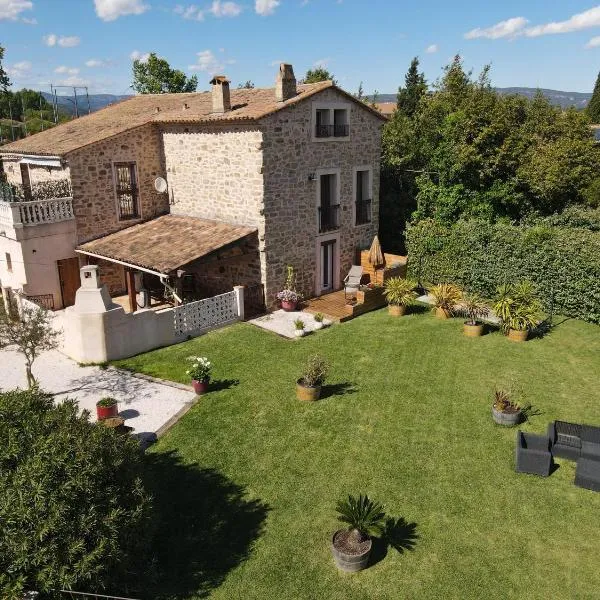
(74, 101)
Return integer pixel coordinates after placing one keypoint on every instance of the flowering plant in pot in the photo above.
(505, 411)
(199, 373)
(106, 408)
(351, 547)
(445, 298)
(519, 308)
(288, 297)
(308, 386)
(298, 327)
(474, 308)
(400, 294)
(318, 317)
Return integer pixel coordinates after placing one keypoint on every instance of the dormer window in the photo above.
(331, 121)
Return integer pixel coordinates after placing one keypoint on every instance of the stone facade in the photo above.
(92, 179)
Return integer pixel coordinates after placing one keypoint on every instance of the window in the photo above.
(127, 191)
(8, 262)
(362, 190)
(329, 206)
(331, 121)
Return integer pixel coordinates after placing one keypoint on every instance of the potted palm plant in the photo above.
(298, 327)
(199, 373)
(474, 308)
(505, 411)
(400, 294)
(445, 298)
(351, 547)
(308, 386)
(106, 408)
(519, 309)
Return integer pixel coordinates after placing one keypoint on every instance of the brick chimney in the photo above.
(221, 101)
(285, 84)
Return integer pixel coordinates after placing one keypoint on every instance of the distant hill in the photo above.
(97, 101)
(556, 97)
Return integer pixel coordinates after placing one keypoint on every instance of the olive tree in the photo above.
(73, 508)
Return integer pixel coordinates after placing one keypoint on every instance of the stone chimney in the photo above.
(285, 84)
(221, 101)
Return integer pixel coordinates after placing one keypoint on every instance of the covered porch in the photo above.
(173, 259)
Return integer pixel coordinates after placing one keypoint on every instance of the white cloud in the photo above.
(208, 62)
(110, 10)
(594, 42)
(10, 10)
(64, 41)
(94, 62)
(66, 70)
(74, 81)
(321, 63)
(225, 9)
(584, 20)
(191, 12)
(432, 49)
(141, 56)
(266, 7)
(505, 29)
(19, 69)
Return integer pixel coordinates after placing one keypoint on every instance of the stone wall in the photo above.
(291, 216)
(215, 172)
(92, 178)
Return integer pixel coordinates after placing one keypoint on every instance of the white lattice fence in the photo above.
(205, 314)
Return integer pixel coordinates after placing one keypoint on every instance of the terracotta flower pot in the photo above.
(518, 335)
(107, 412)
(471, 330)
(441, 313)
(307, 393)
(200, 387)
(288, 306)
(396, 310)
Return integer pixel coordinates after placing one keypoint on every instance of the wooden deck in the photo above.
(335, 307)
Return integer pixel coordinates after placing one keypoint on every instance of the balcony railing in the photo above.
(363, 211)
(329, 218)
(36, 212)
(326, 131)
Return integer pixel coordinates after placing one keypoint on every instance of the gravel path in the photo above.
(146, 405)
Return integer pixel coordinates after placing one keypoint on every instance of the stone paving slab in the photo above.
(282, 322)
(146, 404)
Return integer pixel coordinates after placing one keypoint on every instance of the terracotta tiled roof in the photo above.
(166, 243)
(386, 108)
(246, 104)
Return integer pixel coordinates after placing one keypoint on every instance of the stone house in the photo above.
(195, 193)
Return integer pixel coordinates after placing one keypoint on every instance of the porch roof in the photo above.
(166, 243)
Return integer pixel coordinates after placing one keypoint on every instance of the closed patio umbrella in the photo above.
(376, 257)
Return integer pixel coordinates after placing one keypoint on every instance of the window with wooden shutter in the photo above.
(127, 191)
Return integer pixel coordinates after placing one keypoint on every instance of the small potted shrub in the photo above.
(106, 408)
(474, 308)
(519, 309)
(288, 297)
(505, 411)
(318, 317)
(445, 298)
(351, 547)
(308, 387)
(400, 294)
(298, 327)
(199, 373)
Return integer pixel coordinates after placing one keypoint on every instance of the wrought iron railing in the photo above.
(329, 218)
(363, 211)
(43, 300)
(325, 131)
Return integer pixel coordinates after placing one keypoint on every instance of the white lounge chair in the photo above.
(352, 280)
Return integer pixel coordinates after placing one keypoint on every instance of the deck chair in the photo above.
(352, 280)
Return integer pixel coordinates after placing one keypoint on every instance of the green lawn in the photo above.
(247, 481)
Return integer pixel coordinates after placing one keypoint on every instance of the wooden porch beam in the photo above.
(129, 275)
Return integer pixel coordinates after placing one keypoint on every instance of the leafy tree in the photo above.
(415, 87)
(155, 76)
(31, 333)
(360, 94)
(4, 79)
(593, 108)
(73, 509)
(318, 74)
(248, 85)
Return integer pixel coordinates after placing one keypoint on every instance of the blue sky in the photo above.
(545, 43)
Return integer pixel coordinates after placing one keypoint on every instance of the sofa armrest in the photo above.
(552, 432)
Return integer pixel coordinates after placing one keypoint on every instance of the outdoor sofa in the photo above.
(533, 454)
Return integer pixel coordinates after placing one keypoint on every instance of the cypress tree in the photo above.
(414, 88)
(593, 108)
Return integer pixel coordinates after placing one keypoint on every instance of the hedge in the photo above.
(562, 262)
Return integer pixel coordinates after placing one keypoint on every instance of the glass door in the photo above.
(327, 265)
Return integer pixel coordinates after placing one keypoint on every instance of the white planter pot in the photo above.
(318, 325)
(299, 332)
(326, 322)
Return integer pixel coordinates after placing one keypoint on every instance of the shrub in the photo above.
(518, 306)
(474, 308)
(446, 296)
(363, 516)
(563, 263)
(106, 402)
(298, 324)
(73, 509)
(200, 369)
(318, 317)
(400, 292)
(315, 371)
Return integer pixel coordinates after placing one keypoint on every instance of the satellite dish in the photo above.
(160, 185)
